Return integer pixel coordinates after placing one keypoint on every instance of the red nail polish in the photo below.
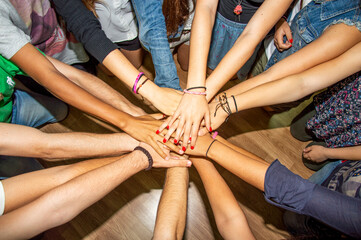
(192, 147)
(175, 141)
(167, 127)
(157, 132)
(190, 138)
(164, 140)
(210, 129)
(184, 148)
(164, 115)
(291, 41)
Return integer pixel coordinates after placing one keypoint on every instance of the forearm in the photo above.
(245, 167)
(62, 145)
(230, 219)
(200, 41)
(299, 85)
(40, 69)
(65, 202)
(348, 153)
(172, 208)
(257, 28)
(94, 86)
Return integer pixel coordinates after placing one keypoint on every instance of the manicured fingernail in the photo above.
(189, 163)
(167, 127)
(164, 140)
(184, 148)
(192, 147)
(190, 138)
(291, 45)
(167, 158)
(175, 141)
(210, 129)
(291, 40)
(164, 115)
(157, 132)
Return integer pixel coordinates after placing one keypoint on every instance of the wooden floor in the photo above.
(129, 211)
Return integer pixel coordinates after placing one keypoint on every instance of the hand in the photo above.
(143, 129)
(315, 153)
(283, 29)
(217, 120)
(166, 100)
(190, 112)
(170, 161)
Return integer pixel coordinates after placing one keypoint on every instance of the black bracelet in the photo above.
(210, 146)
(191, 88)
(235, 103)
(150, 159)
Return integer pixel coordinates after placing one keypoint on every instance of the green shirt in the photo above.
(7, 71)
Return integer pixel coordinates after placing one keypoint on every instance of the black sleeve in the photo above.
(85, 27)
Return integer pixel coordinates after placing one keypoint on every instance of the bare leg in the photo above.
(135, 57)
(183, 56)
(230, 219)
(172, 209)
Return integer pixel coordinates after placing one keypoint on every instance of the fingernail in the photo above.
(175, 141)
(189, 163)
(291, 40)
(210, 129)
(184, 148)
(164, 115)
(291, 45)
(164, 140)
(192, 147)
(167, 158)
(190, 138)
(157, 132)
(168, 127)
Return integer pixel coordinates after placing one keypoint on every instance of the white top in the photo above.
(118, 19)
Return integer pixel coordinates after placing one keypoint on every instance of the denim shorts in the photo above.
(314, 19)
(33, 109)
(224, 35)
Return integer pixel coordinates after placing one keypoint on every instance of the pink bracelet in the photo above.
(136, 82)
(194, 93)
(215, 135)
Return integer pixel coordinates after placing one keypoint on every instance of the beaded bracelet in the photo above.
(136, 81)
(194, 93)
(150, 159)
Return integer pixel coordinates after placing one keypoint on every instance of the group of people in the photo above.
(58, 43)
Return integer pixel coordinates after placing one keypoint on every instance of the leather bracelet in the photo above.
(150, 159)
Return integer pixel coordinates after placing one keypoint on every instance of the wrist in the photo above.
(139, 160)
(149, 90)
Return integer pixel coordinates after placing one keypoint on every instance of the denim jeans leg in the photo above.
(34, 110)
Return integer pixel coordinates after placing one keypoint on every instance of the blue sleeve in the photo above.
(291, 192)
(153, 36)
(85, 27)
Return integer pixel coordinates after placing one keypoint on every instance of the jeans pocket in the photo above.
(330, 9)
(305, 30)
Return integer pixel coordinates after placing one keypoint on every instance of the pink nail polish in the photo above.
(164, 140)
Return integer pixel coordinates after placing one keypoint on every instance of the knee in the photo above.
(61, 111)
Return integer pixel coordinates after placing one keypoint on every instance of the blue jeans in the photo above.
(313, 19)
(224, 35)
(33, 110)
(153, 36)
